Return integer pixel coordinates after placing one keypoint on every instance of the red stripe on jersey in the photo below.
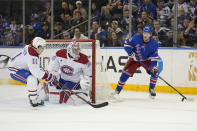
(19, 77)
(32, 90)
(120, 84)
(126, 44)
(153, 81)
(54, 93)
(32, 51)
(13, 68)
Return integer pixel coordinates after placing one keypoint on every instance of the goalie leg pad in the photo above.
(64, 96)
(76, 101)
(54, 94)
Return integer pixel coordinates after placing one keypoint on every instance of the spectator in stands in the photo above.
(45, 32)
(30, 34)
(48, 20)
(47, 10)
(35, 23)
(192, 7)
(77, 20)
(78, 34)
(95, 12)
(116, 28)
(150, 8)
(139, 29)
(3, 24)
(58, 31)
(125, 20)
(182, 4)
(71, 7)
(64, 8)
(155, 36)
(66, 35)
(160, 32)
(114, 40)
(13, 25)
(117, 10)
(7, 38)
(181, 17)
(163, 12)
(18, 39)
(125, 4)
(61, 18)
(97, 33)
(190, 33)
(181, 41)
(145, 20)
(168, 42)
(138, 3)
(106, 13)
(67, 21)
(171, 23)
(80, 9)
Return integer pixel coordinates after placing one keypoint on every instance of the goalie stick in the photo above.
(89, 103)
(4, 61)
(183, 97)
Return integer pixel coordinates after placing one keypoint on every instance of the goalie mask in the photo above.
(73, 50)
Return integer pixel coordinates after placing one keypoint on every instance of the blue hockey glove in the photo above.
(153, 70)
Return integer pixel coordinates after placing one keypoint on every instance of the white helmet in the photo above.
(38, 41)
(73, 50)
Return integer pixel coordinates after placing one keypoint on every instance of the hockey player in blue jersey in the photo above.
(141, 48)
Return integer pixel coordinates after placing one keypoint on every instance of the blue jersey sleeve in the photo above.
(128, 46)
(154, 55)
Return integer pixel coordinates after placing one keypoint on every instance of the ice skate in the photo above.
(36, 102)
(152, 93)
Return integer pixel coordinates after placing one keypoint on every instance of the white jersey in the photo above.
(70, 69)
(163, 13)
(27, 59)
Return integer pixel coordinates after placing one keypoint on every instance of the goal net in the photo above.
(101, 89)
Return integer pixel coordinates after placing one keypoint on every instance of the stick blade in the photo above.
(99, 105)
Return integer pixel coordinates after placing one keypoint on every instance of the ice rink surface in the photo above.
(134, 111)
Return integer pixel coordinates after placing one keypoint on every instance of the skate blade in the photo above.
(151, 97)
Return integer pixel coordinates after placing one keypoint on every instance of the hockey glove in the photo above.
(153, 70)
(52, 80)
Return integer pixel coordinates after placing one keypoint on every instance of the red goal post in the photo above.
(88, 47)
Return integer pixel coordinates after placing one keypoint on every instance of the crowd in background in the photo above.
(109, 23)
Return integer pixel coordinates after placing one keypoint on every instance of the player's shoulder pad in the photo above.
(154, 42)
(83, 59)
(32, 51)
(62, 53)
(137, 37)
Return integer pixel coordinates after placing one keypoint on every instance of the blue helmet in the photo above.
(148, 29)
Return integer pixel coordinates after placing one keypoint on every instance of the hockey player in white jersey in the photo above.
(25, 67)
(71, 65)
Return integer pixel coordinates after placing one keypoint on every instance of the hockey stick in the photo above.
(183, 97)
(89, 103)
(4, 61)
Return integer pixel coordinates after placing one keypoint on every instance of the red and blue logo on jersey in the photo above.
(67, 70)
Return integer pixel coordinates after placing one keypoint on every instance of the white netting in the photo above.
(103, 89)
